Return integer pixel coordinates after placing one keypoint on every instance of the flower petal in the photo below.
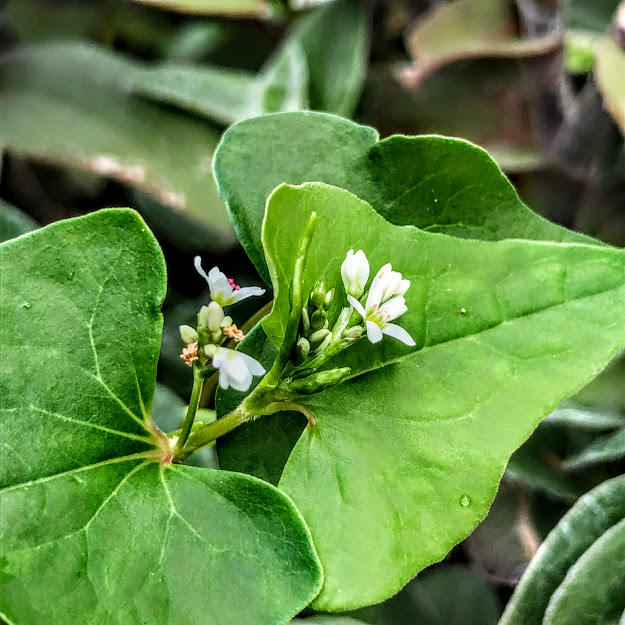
(243, 384)
(224, 380)
(245, 292)
(197, 261)
(397, 332)
(357, 305)
(252, 364)
(374, 334)
(395, 307)
(375, 294)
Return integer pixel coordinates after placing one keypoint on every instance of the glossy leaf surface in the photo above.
(97, 527)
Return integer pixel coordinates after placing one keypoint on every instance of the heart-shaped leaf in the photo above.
(577, 576)
(406, 459)
(434, 183)
(97, 526)
(70, 104)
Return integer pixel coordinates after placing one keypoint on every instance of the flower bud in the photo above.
(318, 320)
(353, 333)
(328, 299)
(214, 317)
(318, 295)
(305, 321)
(188, 334)
(318, 336)
(202, 317)
(325, 344)
(319, 381)
(303, 348)
(355, 273)
(210, 350)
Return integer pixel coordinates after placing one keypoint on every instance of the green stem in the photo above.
(196, 393)
(271, 380)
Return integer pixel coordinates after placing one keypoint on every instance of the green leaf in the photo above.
(407, 459)
(609, 72)
(228, 95)
(469, 29)
(14, 222)
(572, 414)
(337, 71)
(229, 8)
(434, 183)
(97, 527)
(69, 103)
(604, 449)
(593, 591)
(571, 546)
(327, 620)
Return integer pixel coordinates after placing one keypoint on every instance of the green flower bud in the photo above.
(188, 334)
(305, 322)
(353, 333)
(318, 295)
(328, 299)
(319, 381)
(325, 343)
(210, 350)
(303, 348)
(318, 320)
(202, 317)
(318, 336)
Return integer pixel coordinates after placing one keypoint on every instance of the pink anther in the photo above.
(236, 287)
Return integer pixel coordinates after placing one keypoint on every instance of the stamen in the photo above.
(236, 287)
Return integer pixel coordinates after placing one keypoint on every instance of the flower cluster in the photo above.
(383, 303)
(204, 343)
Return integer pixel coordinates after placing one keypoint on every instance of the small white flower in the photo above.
(391, 282)
(223, 290)
(235, 368)
(377, 315)
(355, 273)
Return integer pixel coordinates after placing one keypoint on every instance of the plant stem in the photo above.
(198, 383)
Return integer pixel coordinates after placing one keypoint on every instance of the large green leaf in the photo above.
(228, 95)
(573, 547)
(69, 103)
(97, 527)
(593, 591)
(406, 459)
(335, 40)
(434, 183)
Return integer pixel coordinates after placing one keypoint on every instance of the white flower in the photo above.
(355, 273)
(377, 315)
(235, 368)
(223, 290)
(391, 282)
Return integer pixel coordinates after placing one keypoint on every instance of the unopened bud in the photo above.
(215, 316)
(210, 350)
(328, 300)
(318, 336)
(353, 333)
(318, 295)
(318, 320)
(226, 321)
(319, 381)
(188, 334)
(303, 348)
(325, 343)
(202, 317)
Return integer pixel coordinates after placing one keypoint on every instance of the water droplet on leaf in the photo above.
(70, 275)
(465, 501)
(26, 305)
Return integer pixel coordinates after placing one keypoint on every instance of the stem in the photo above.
(259, 315)
(271, 380)
(198, 383)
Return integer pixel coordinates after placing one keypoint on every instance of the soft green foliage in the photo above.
(69, 103)
(585, 549)
(610, 447)
(233, 8)
(13, 222)
(434, 183)
(227, 95)
(591, 15)
(355, 479)
(97, 527)
(593, 591)
(335, 40)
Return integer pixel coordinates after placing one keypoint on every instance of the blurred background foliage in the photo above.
(122, 103)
